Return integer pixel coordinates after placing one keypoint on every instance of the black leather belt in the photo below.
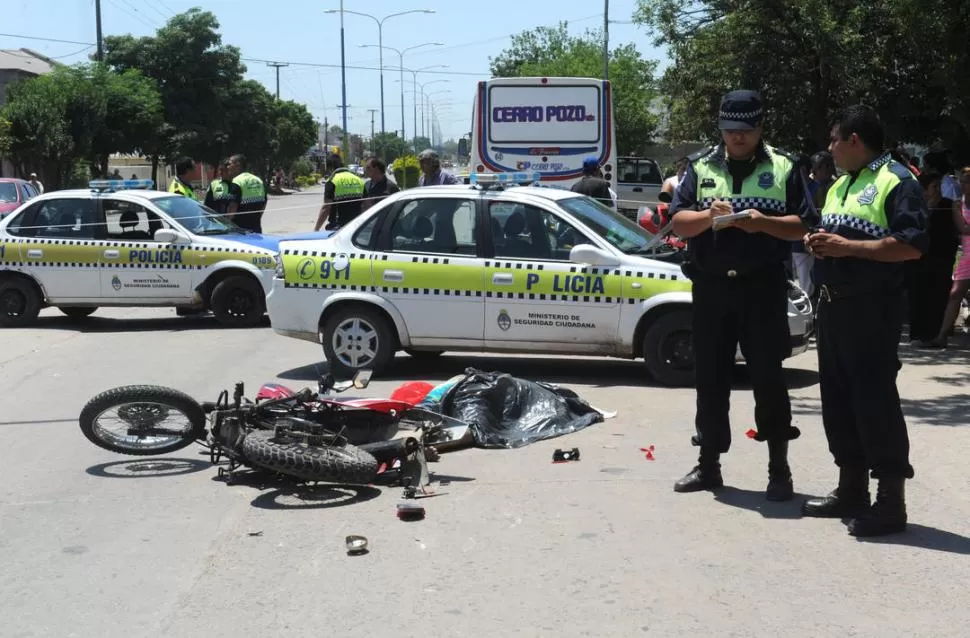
(835, 293)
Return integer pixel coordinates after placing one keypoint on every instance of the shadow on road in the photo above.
(600, 373)
(925, 537)
(957, 351)
(305, 497)
(96, 324)
(148, 468)
(755, 502)
(950, 410)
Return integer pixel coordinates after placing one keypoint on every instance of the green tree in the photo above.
(85, 112)
(553, 52)
(823, 54)
(389, 146)
(421, 142)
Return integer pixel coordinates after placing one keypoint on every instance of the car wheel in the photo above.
(238, 301)
(668, 350)
(20, 302)
(78, 313)
(357, 338)
(425, 355)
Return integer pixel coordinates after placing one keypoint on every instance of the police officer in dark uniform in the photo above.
(874, 218)
(740, 287)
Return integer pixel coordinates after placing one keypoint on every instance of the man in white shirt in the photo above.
(36, 184)
(671, 183)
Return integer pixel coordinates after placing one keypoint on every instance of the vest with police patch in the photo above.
(180, 189)
(252, 189)
(219, 190)
(860, 205)
(346, 185)
(763, 190)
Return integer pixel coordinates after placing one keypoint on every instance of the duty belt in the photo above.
(835, 293)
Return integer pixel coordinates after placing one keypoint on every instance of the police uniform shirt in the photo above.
(907, 216)
(222, 206)
(716, 253)
(345, 210)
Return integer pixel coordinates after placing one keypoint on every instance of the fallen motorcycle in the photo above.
(304, 435)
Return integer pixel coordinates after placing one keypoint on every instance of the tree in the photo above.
(553, 52)
(450, 147)
(389, 146)
(197, 76)
(421, 142)
(85, 112)
(824, 54)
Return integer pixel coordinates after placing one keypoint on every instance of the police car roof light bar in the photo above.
(509, 179)
(120, 184)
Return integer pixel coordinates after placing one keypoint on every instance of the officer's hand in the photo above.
(720, 207)
(750, 225)
(824, 244)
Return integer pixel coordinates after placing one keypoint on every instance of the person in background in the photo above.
(822, 177)
(377, 186)
(253, 193)
(928, 279)
(36, 184)
(670, 184)
(342, 198)
(961, 276)
(593, 185)
(223, 195)
(803, 263)
(431, 173)
(183, 173)
(939, 162)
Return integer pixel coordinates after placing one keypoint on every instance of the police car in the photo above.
(120, 244)
(492, 267)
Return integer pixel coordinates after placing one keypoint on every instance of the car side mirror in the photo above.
(168, 236)
(665, 197)
(593, 256)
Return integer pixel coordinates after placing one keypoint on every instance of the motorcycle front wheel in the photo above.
(142, 420)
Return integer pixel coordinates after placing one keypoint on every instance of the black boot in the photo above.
(706, 475)
(887, 515)
(780, 487)
(849, 499)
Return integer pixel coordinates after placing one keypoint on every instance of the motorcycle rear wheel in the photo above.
(339, 462)
(144, 407)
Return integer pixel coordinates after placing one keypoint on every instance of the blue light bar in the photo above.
(504, 178)
(120, 184)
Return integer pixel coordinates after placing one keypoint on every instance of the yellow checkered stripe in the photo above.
(66, 253)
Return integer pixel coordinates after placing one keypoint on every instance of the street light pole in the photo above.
(606, 39)
(401, 68)
(343, 77)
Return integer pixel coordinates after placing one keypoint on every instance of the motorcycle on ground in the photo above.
(302, 435)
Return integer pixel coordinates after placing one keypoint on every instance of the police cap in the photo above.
(740, 111)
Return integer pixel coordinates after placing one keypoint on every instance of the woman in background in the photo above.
(961, 276)
(929, 279)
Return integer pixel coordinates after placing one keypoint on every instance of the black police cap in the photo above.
(740, 111)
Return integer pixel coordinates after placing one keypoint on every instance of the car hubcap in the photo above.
(677, 350)
(355, 343)
(13, 303)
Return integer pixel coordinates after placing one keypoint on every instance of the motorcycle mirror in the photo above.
(665, 197)
(362, 379)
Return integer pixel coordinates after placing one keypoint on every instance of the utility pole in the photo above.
(326, 144)
(97, 21)
(606, 39)
(343, 75)
(373, 145)
(277, 65)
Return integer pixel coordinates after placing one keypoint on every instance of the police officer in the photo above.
(342, 198)
(740, 289)
(183, 173)
(874, 218)
(253, 195)
(224, 196)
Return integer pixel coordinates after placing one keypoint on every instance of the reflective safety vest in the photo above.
(253, 191)
(860, 204)
(181, 189)
(346, 185)
(763, 190)
(219, 189)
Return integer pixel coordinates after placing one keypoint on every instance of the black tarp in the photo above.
(506, 412)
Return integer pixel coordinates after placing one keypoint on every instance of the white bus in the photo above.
(549, 125)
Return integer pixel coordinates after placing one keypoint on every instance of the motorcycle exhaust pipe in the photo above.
(385, 451)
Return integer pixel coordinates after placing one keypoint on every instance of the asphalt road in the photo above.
(95, 544)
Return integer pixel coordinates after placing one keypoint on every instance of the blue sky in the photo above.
(298, 31)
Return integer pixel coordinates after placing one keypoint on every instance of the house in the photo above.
(15, 65)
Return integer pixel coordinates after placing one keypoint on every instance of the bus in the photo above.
(549, 125)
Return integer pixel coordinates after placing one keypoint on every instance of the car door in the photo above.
(535, 297)
(135, 267)
(59, 243)
(427, 266)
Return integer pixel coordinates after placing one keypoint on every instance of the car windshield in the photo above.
(197, 218)
(8, 192)
(625, 235)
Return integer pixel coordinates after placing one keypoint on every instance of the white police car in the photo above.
(120, 244)
(486, 268)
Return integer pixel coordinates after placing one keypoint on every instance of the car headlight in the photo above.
(279, 266)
